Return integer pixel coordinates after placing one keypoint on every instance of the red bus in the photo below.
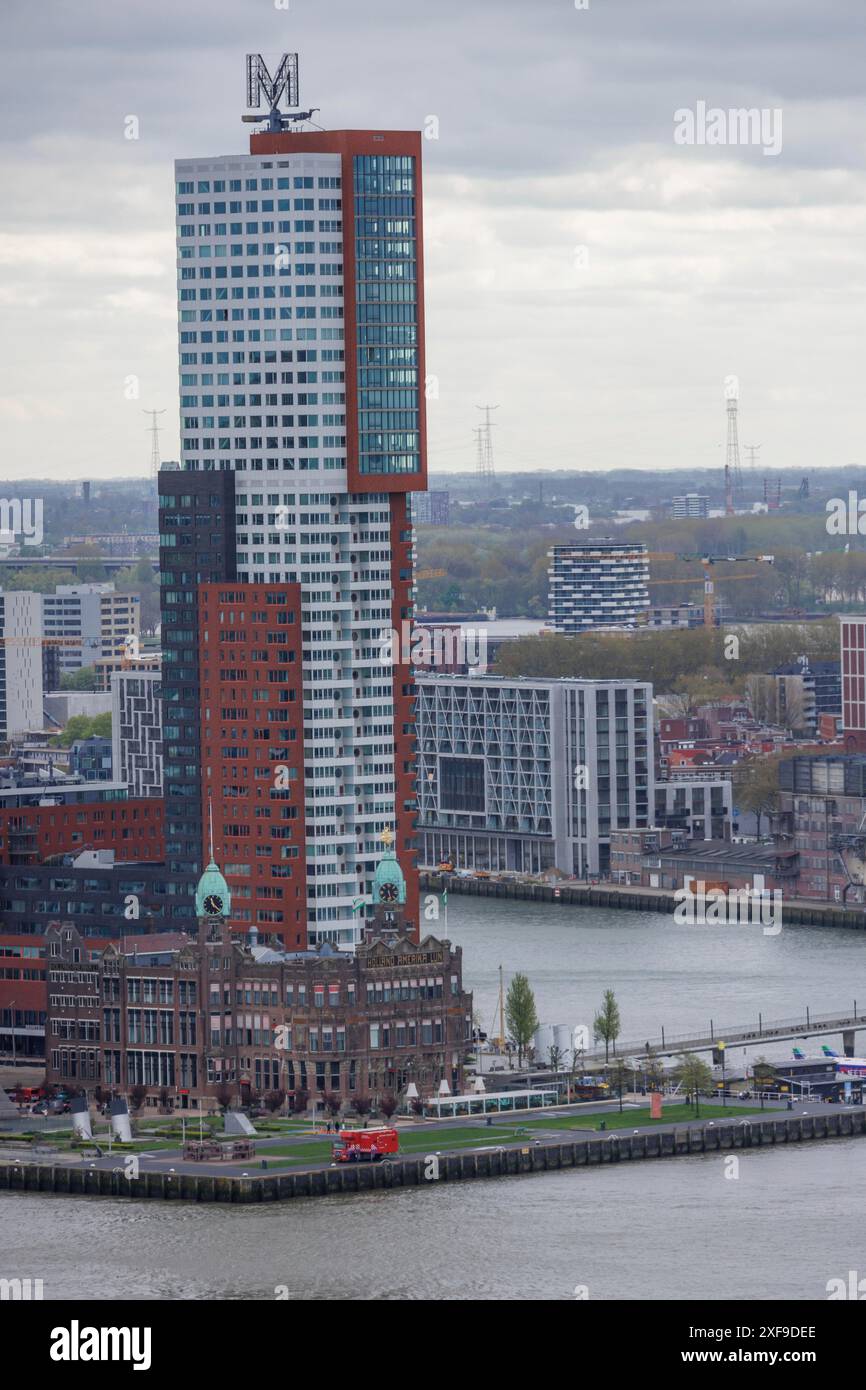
(366, 1145)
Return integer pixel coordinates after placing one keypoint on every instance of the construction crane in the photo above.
(707, 561)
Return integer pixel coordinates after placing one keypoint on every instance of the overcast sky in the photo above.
(587, 273)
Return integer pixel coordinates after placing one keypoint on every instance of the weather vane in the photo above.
(285, 83)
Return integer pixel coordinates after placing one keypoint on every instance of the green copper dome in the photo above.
(388, 878)
(212, 896)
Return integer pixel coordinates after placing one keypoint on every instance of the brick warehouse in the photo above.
(186, 1017)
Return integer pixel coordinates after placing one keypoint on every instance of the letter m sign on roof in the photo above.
(259, 81)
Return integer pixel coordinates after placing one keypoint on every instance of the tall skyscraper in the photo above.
(301, 321)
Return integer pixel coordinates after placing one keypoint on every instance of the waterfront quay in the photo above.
(798, 911)
(541, 1145)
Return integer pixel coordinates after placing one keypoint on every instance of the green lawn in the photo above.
(635, 1119)
(433, 1139)
(411, 1141)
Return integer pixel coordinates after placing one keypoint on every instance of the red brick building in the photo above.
(252, 741)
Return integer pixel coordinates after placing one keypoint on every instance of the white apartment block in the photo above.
(20, 663)
(88, 622)
(526, 775)
(136, 731)
(597, 584)
(691, 504)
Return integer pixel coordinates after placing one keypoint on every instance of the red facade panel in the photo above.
(252, 741)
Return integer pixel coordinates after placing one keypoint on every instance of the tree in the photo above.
(520, 1014)
(82, 726)
(607, 1025)
(362, 1105)
(137, 1094)
(300, 1097)
(274, 1100)
(83, 679)
(332, 1102)
(388, 1104)
(555, 1058)
(224, 1095)
(619, 1077)
(694, 1076)
(756, 785)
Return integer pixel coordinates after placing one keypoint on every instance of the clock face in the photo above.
(388, 893)
(213, 904)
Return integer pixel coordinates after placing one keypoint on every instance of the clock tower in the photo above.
(389, 892)
(213, 899)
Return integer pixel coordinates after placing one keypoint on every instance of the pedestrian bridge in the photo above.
(760, 1030)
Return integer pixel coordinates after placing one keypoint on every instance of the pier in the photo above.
(514, 1159)
(796, 912)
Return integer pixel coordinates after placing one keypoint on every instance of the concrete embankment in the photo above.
(795, 912)
(423, 1170)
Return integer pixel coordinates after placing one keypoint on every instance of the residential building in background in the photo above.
(853, 659)
(822, 821)
(20, 663)
(90, 759)
(38, 823)
(528, 775)
(598, 583)
(136, 730)
(316, 362)
(431, 508)
(701, 809)
(692, 504)
(86, 622)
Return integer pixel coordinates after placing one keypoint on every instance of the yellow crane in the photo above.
(707, 561)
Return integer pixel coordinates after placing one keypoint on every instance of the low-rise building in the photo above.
(218, 1017)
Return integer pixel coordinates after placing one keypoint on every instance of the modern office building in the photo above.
(301, 321)
(805, 689)
(597, 583)
(529, 775)
(20, 663)
(692, 504)
(86, 622)
(136, 730)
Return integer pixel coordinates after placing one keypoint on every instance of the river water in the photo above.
(675, 1229)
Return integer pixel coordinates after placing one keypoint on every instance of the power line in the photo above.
(153, 430)
(484, 463)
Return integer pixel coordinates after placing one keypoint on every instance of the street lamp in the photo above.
(12, 1023)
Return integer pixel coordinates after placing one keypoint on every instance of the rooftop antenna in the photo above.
(153, 430)
(210, 825)
(285, 83)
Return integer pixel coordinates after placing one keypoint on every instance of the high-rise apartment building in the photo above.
(20, 663)
(526, 775)
(136, 730)
(300, 293)
(598, 583)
